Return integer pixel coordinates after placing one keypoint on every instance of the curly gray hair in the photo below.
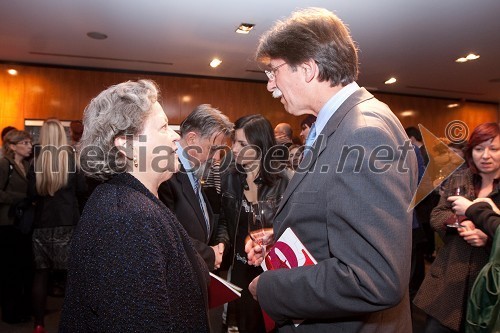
(120, 110)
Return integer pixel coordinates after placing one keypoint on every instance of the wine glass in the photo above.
(260, 223)
(457, 187)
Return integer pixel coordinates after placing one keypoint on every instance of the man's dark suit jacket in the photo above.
(178, 195)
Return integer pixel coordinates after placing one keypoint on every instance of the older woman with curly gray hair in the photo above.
(132, 266)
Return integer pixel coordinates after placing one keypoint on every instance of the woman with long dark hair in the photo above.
(257, 175)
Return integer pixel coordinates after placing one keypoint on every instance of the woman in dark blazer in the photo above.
(443, 294)
(254, 177)
(132, 266)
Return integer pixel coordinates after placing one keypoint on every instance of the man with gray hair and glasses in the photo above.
(202, 133)
(348, 200)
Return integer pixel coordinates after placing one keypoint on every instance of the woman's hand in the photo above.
(459, 204)
(474, 237)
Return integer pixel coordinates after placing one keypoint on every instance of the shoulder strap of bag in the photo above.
(9, 173)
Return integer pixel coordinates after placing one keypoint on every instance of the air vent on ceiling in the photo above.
(100, 58)
(446, 90)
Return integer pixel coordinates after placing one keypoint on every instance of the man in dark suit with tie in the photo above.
(348, 200)
(202, 132)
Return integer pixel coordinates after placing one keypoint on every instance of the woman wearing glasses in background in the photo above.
(15, 247)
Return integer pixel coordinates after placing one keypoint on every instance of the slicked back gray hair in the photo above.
(206, 121)
(119, 110)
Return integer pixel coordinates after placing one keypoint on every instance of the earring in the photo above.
(136, 164)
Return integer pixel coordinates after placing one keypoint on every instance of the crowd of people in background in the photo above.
(134, 235)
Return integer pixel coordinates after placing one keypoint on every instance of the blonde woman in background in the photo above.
(55, 186)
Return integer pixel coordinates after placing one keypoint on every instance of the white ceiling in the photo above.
(415, 41)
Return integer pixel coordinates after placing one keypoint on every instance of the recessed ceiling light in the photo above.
(407, 113)
(245, 28)
(452, 105)
(472, 56)
(469, 57)
(215, 62)
(12, 72)
(390, 81)
(97, 35)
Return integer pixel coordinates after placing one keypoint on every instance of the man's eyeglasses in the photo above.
(25, 142)
(271, 74)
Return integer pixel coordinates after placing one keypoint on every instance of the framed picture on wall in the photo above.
(32, 126)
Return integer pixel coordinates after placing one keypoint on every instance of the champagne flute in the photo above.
(260, 222)
(457, 187)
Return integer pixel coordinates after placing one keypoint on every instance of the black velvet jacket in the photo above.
(232, 187)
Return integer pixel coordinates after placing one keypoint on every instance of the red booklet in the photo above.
(221, 291)
(287, 252)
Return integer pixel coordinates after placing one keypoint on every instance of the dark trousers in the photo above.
(417, 272)
(16, 264)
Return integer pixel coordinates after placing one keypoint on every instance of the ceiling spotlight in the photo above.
(472, 56)
(215, 62)
(407, 113)
(390, 81)
(452, 105)
(97, 35)
(12, 72)
(469, 57)
(245, 28)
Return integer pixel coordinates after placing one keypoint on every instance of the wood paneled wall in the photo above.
(39, 92)
(434, 114)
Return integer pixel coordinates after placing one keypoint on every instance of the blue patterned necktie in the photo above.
(311, 136)
(197, 191)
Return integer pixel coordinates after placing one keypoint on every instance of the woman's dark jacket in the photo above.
(132, 267)
(233, 184)
(13, 185)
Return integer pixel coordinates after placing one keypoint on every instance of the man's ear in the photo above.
(310, 69)
(191, 138)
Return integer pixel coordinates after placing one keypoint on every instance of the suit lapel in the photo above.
(319, 146)
(192, 198)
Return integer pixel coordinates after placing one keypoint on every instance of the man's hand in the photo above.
(252, 287)
(218, 250)
(255, 252)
